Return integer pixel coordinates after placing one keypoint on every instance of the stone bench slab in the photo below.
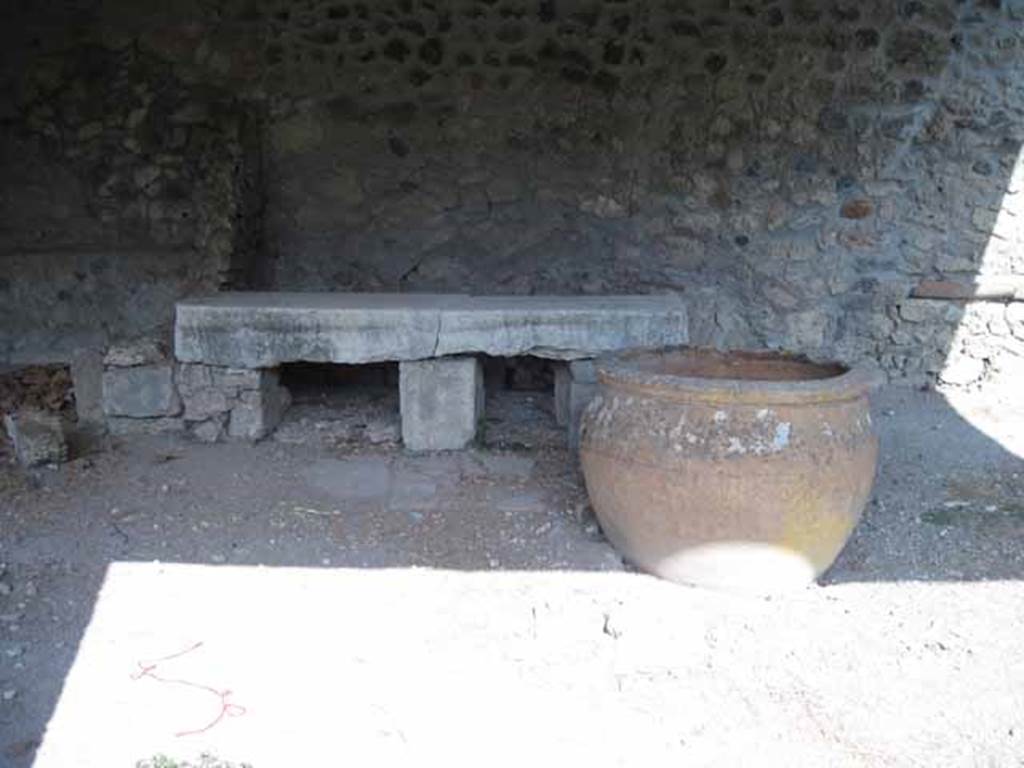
(264, 330)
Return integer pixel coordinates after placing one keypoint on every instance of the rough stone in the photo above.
(209, 431)
(193, 377)
(583, 371)
(38, 437)
(563, 380)
(575, 386)
(87, 381)
(142, 392)
(441, 401)
(239, 378)
(145, 352)
(259, 411)
(929, 311)
(240, 403)
(579, 385)
(203, 403)
(259, 330)
(807, 330)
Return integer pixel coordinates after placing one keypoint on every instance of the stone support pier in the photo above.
(575, 386)
(442, 401)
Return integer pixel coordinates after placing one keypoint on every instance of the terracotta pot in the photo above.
(737, 470)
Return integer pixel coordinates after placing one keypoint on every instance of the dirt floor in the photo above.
(368, 606)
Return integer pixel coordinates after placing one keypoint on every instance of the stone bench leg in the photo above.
(442, 401)
(244, 403)
(575, 387)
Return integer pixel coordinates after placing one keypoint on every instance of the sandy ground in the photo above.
(370, 607)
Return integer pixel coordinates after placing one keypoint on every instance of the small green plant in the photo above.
(205, 761)
(160, 761)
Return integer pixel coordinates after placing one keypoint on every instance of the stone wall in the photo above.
(793, 168)
(122, 188)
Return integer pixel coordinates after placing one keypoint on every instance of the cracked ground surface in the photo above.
(383, 607)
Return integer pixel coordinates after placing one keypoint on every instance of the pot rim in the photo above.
(619, 371)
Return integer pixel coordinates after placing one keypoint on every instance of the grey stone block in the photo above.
(193, 377)
(580, 395)
(137, 353)
(263, 330)
(583, 371)
(442, 401)
(209, 431)
(87, 380)
(245, 404)
(575, 387)
(242, 378)
(38, 437)
(249, 418)
(207, 405)
(258, 412)
(578, 374)
(140, 392)
(201, 404)
(560, 327)
(562, 383)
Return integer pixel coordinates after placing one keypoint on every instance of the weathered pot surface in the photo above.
(738, 470)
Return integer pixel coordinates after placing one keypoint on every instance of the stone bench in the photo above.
(234, 337)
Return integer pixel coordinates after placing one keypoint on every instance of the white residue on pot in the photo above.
(781, 436)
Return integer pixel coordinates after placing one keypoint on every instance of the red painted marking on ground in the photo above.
(227, 708)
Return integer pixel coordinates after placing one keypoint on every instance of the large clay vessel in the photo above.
(738, 470)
